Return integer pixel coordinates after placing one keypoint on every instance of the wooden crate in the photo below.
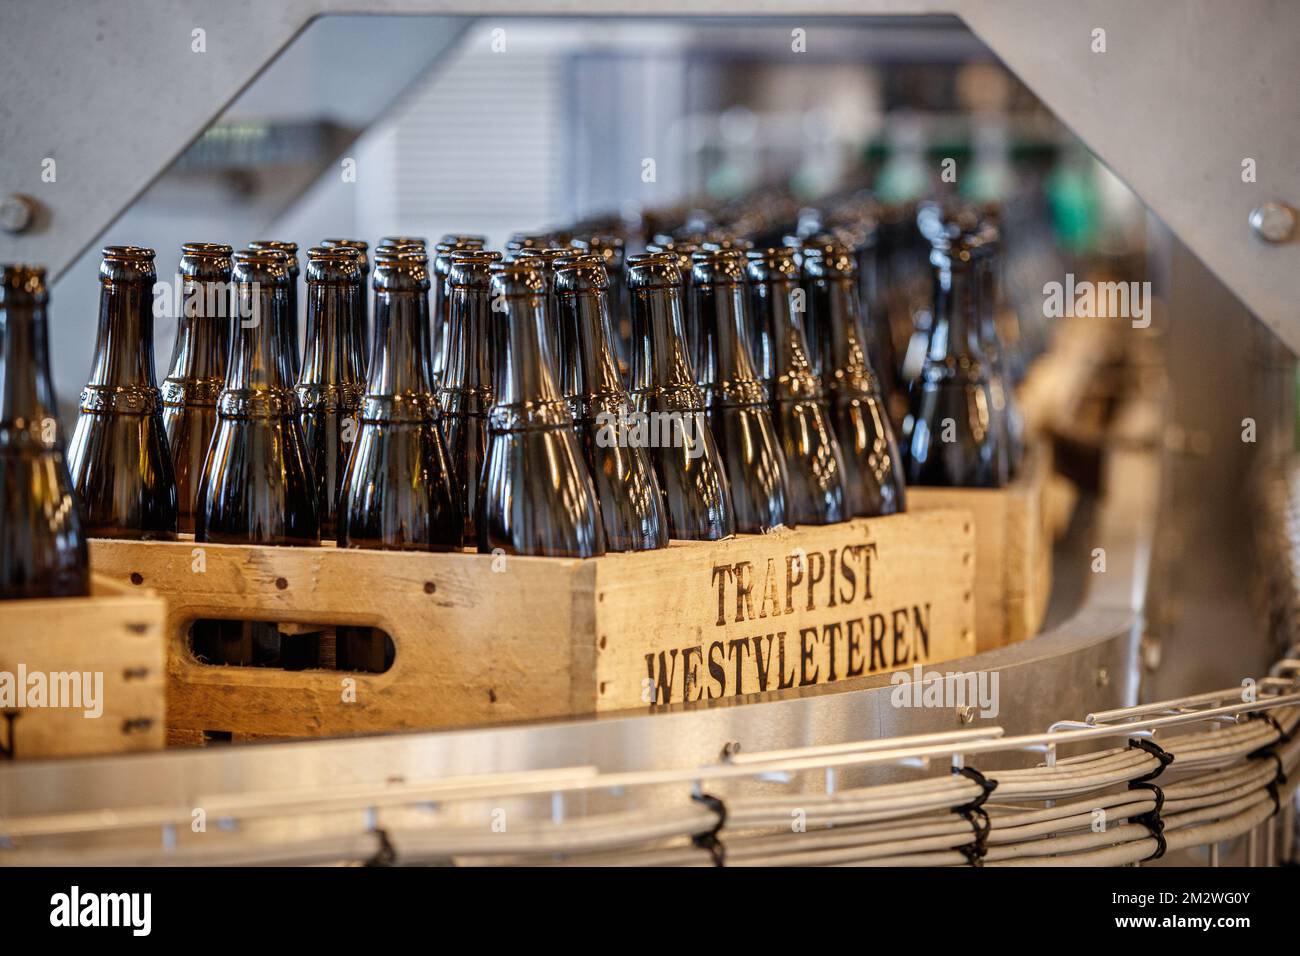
(1013, 549)
(100, 655)
(483, 638)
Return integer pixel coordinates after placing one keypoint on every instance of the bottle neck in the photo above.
(124, 341)
(400, 364)
(955, 332)
(27, 389)
(591, 373)
(467, 364)
(785, 351)
(333, 317)
(720, 312)
(840, 325)
(658, 343)
(202, 332)
(255, 359)
(522, 367)
(987, 273)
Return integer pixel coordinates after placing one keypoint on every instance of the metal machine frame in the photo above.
(1175, 96)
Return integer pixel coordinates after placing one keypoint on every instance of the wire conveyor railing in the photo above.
(1195, 771)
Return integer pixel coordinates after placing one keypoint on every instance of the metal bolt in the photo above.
(1103, 677)
(17, 213)
(965, 714)
(1273, 221)
(730, 749)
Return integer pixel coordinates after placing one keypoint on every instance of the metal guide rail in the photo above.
(1195, 771)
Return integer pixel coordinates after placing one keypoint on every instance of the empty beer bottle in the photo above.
(953, 441)
(399, 493)
(330, 386)
(257, 486)
(873, 470)
(441, 261)
(1010, 425)
(739, 415)
(814, 466)
(288, 347)
(631, 505)
(536, 496)
(198, 368)
(663, 390)
(42, 540)
(118, 456)
(362, 331)
(466, 392)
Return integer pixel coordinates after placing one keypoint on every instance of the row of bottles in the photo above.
(571, 399)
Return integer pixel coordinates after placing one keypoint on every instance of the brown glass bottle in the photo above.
(42, 540)
(814, 466)
(466, 392)
(361, 333)
(685, 457)
(873, 473)
(631, 504)
(330, 386)
(1008, 421)
(536, 496)
(399, 493)
(288, 348)
(257, 485)
(739, 415)
(198, 368)
(953, 442)
(118, 456)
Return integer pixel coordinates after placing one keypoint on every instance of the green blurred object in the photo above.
(1072, 196)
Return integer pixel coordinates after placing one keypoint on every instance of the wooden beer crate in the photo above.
(488, 638)
(1013, 548)
(85, 675)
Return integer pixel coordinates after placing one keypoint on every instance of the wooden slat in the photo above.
(114, 642)
(1013, 553)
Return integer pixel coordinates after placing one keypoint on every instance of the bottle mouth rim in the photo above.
(260, 257)
(343, 253)
(288, 248)
(206, 250)
(583, 274)
(548, 253)
(404, 241)
(656, 271)
(407, 255)
(358, 244)
(527, 265)
(128, 253)
(475, 256)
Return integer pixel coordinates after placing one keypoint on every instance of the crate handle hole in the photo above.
(291, 647)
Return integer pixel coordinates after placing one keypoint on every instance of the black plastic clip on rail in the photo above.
(1152, 819)
(975, 814)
